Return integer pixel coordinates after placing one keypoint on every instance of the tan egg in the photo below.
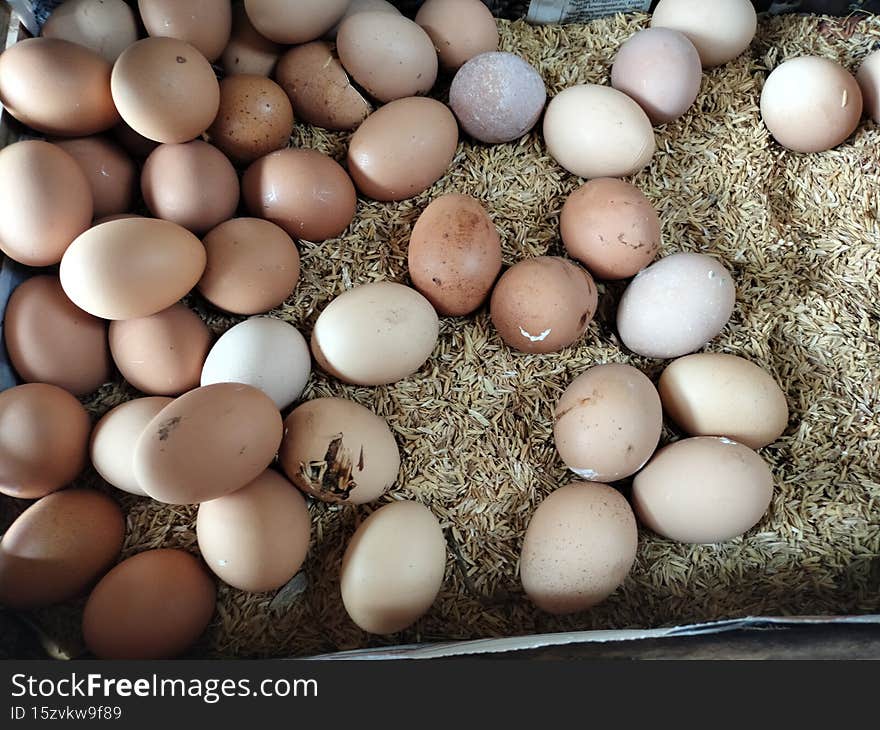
(132, 267)
(134, 143)
(111, 448)
(165, 90)
(43, 441)
(703, 490)
(58, 547)
(713, 394)
(257, 538)
(579, 548)
(339, 451)
(676, 305)
(255, 118)
(248, 52)
(36, 177)
(209, 442)
(107, 27)
(393, 568)
(161, 354)
(459, 29)
(454, 254)
(402, 148)
(304, 191)
(375, 334)
(50, 340)
(110, 172)
(191, 184)
(253, 266)
(363, 6)
(319, 88)
(607, 423)
(57, 87)
(543, 304)
(294, 23)
(610, 227)
(204, 24)
(153, 605)
(388, 55)
(868, 78)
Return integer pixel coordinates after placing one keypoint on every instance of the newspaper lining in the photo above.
(580, 11)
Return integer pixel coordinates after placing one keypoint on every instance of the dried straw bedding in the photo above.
(800, 234)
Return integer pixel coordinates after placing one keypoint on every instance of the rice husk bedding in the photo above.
(800, 234)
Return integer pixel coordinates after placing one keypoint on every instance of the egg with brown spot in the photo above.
(248, 52)
(204, 24)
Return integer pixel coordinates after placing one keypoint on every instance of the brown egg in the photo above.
(152, 606)
(610, 227)
(191, 184)
(50, 340)
(294, 23)
(388, 55)
(207, 443)
(543, 304)
(161, 354)
(454, 254)
(131, 268)
(402, 148)
(37, 177)
(255, 118)
(134, 143)
(110, 172)
(58, 547)
(305, 192)
(57, 87)
(248, 52)
(253, 266)
(165, 90)
(319, 87)
(107, 27)
(362, 6)
(204, 24)
(257, 538)
(459, 29)
(43, 440)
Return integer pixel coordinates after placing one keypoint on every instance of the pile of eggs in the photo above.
(209, 429)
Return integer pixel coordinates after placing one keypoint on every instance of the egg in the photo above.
(248, 52)
(497, 97)
(43, 440)
(393, 568)
(596, 131)
(713, 394)
(161, 354)
(267, 353)
(133, 267)
(813, 88)
(57, 87)
(611, 228)
(543, 304)
(703, 490)
(868, 78)
(154, 605)
(338, 451)
(50, 340)
(254, 119)
(459, 29)
(719, 30)
(36, 177)
(204, 24)
(579, 547)
(319, 88)
(209, 442)
(252, 266)
(191, 184)
(607, 423)
(165, 90)
(134, 143)
(294, 23)
(454, 254)
(257, 538)
(375, 334)
(109, 170)
(676, 305)
(660, 69)
(388, 55)
(402, 149)
(304, 191)
(111, 448)
(58, 547)
(362, 6)
(107, 27)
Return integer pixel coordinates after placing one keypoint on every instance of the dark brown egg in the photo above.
(111, 173)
